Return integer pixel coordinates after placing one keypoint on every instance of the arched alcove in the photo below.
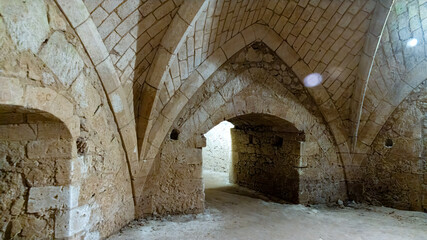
(36, 152)
(266, 152)
(320, 174)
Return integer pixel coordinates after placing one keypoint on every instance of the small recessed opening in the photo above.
(174, 134)
(388, 143)
(278, 141)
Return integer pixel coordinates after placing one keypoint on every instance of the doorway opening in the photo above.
(260, 152)
(217, 156)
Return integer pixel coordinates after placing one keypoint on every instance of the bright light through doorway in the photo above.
(217, 156)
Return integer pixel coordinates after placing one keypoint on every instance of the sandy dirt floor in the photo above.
(237, 213)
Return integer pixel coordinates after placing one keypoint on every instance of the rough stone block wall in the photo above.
(395, 170)
(44, 65)
(175, 184)
(33, 156)
(267, 161)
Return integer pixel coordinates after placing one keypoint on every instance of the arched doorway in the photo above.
(36, 149)
(216, 155)
(261, 152)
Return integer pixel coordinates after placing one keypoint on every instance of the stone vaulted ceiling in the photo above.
(161, 51)
(327, 36)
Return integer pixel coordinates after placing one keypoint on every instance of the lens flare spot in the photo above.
(412, 42)
(312, 80)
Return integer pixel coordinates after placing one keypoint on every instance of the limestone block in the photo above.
(62, 58)
(75, 10)
(73, 125)
(239, 103)
(92, 41)
(249, 35)
(338, 130)
(272, 39)
(18, 132)
(214, 103)
(59, 106)
(260, 31)
(52, 130)
(212, 63)
(369, 132)
(49, 149)
(128, 23)
(108, 75)
(26, 22)
(55, 19)
(233, 45)
(191, 10)
(161, 61)
(159, 130)
(192, 84)
(174, 106)
(11, 91)
(109, 25)
(40, 98)
(44, 198)
(365, 65)
(130, 141)
(379, 17)
(398, 92)
(382, 112)
(370, 44)
(120, 107)
(233, 87)
(329, 111)
(287, 54)
(70, 222)
(93, 235)
(319, 94)
(171, 41)
(416, 75)
(309, 148)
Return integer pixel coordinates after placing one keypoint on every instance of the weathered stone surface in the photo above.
(75, 11)
(265, 163)
(64, 122)
(44, 198)
(41, 120)
(26, 22)
(70, 222)
(62, 58)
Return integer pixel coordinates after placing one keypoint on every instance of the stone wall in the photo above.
(267, 161)
(255, 81)
(395, 169)
(45, 66)
(175, 185)
(217, 153)
(34, 157)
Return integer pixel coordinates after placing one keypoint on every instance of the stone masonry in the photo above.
(104, 104)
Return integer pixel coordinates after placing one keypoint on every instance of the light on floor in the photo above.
(412, 42)
(312, 80)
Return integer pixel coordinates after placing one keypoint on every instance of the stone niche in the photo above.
(266, 156)
(35, 186)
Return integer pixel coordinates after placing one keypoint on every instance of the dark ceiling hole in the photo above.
(174, 134)
(388, 143)
(278, 141)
